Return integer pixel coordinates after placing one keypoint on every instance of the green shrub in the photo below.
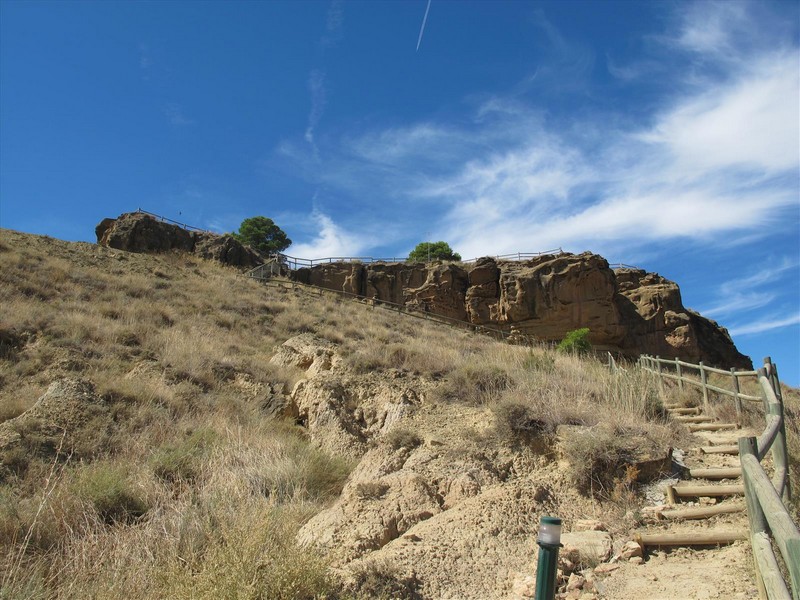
(576, 342)
(109, 488)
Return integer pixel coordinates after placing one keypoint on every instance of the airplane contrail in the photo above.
(424, 20)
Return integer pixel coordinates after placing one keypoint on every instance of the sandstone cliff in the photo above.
(139, 232)
(627, 310)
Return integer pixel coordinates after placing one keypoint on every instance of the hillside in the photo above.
(173, 429)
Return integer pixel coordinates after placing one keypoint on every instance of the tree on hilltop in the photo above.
(263, 234)
(426, 251)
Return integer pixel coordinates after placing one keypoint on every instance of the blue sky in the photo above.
(660, 134)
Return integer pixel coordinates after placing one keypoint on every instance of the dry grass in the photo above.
(193, 491)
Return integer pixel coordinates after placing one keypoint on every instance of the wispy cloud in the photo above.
(176, 116)
(742, 295)
(334, 24)
(316, 87)
(144, 57)
(764, 325)
(710, 165)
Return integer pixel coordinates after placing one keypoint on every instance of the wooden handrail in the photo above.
(766, 511)
(681, 378)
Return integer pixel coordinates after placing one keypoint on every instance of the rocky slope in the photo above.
(626, 310)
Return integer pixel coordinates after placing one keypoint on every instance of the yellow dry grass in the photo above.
(209, 491)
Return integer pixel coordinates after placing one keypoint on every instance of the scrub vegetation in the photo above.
(184, 484)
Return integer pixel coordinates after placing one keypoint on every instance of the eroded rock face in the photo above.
(139, 232)
(626, 310)
(69, 417)
(342, 412)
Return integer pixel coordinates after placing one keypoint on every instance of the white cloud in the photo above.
(713, 165)
(764, 325)
(330, 241)
(316, 87)
(709, 27)
(754, 122)
(743, 294)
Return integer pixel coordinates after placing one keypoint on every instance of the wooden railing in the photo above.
(663, 366)
(766, 510)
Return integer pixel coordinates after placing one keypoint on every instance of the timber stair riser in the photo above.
(703, 512)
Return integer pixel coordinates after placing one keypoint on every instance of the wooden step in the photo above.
(713, 427)
(716, 473)
(719, 449)
(692, 538)
(702, 512)
(692, 419)
(706, 491)
(684, 411)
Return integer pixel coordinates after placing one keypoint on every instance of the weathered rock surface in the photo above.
(139, 232)
(627, 310)
(342, 412)
(69, 416)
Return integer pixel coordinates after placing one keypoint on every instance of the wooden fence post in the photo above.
(787, 490)
(678, 371)
(736, 399)
(660, 380)
(704, 380)
(755, 516)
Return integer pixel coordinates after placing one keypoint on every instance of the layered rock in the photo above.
(139, 232)
(627, 310)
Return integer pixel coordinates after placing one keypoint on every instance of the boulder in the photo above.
(584, 549)
(227, 250)
(140, 232)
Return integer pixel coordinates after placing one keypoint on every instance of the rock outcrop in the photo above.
(140, 232)
(628, 311)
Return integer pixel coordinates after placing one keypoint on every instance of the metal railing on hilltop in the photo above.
(293, 262)
(173, 222)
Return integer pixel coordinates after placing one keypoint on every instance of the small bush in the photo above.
(183, 461)
(371, 490)
(376, 580)
(576, 342)
(517, 419)
(399, 437)
(597, 455)
(109, 489)
(539, 361)
(475, 384)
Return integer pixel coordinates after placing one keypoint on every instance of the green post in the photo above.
(549, 542)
